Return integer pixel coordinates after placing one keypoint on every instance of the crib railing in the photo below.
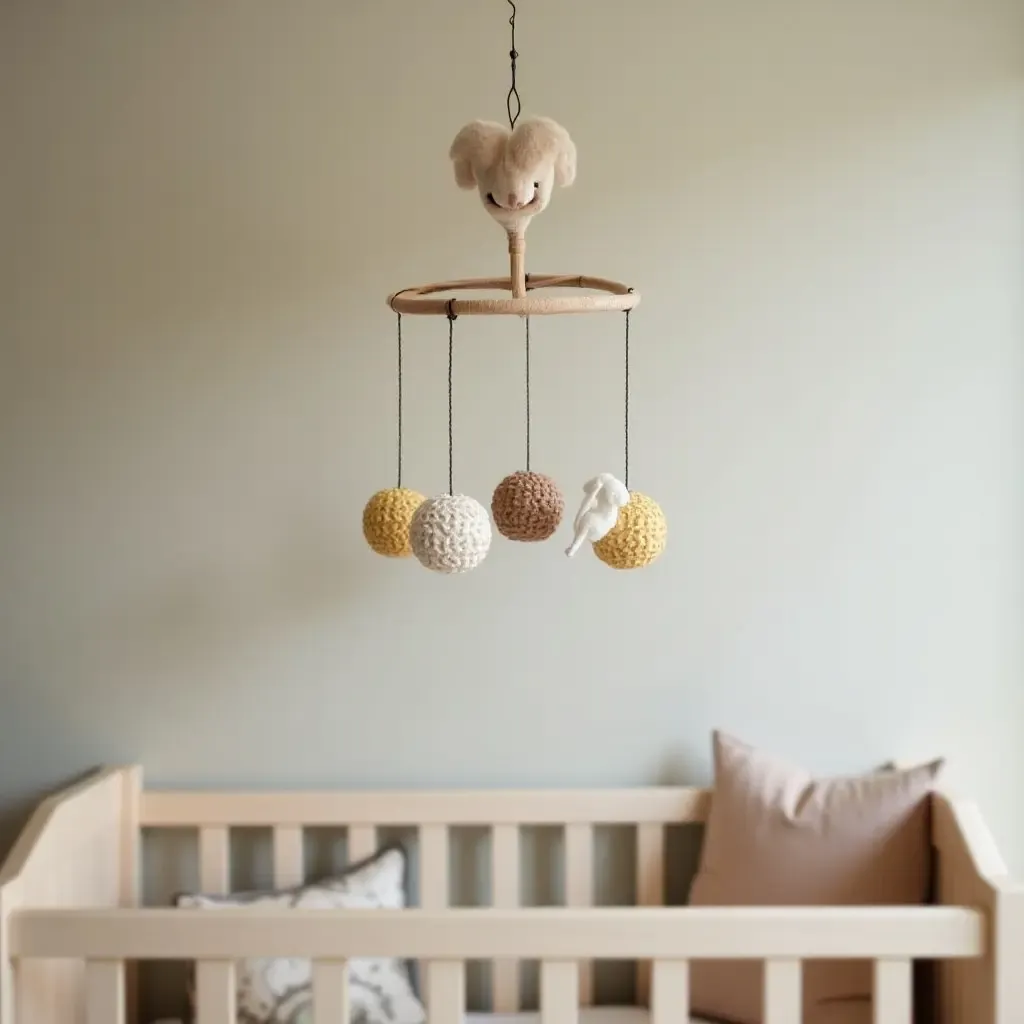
(560, 938)
(650, 811)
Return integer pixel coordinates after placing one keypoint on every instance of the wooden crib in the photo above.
(72, 928)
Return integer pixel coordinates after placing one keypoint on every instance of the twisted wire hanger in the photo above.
(514, 55)
(625, 473)
(399, 400)
(452, 317)
(527, 394)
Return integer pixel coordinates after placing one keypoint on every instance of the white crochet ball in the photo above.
(450, 533)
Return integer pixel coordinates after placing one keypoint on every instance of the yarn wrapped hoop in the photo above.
(527, 506)
(450, 533)
(638, 536)
(387, 517)
(612, 296)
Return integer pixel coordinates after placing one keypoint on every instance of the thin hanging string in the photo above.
(626, 473)
(513, 53)
(451, 331)
(399, 400)
(527, 394)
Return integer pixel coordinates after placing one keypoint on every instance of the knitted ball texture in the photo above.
(638, 536)
(450, 533)
(386, 519)
(527, 506)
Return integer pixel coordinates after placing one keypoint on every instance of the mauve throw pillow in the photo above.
(776, 836)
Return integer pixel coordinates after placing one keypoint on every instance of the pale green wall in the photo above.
(204, 206)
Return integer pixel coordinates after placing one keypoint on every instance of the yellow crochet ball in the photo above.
(638, 536)
(386, 519)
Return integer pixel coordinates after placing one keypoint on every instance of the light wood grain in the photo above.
(782, 991)
(971, 872)
(73, 852)
(433, 878)
(104, 992)
(69, 887)
(289, 856)
(330, 992)
(560, 996)
(517, 264)
(505, 895)
(650, 889)
(662, 804)
(215, 992)
(131, 876)
(446, 1000)
(604, 933)
(670, 991)
(579, 891)
(214, 860)
(894, 991)
(362, 841)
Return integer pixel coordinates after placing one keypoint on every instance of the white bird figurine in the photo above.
(599, 512)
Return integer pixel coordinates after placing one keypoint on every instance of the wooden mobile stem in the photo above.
(517, 264)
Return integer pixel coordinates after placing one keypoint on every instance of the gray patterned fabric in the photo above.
(278, 990)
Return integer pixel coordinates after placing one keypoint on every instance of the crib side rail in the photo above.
(561, 938)
(77, 850)
(578, 812)
(971, 871)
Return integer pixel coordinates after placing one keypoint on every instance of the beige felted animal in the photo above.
(514, 171)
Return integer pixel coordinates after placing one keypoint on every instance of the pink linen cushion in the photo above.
(776, 836)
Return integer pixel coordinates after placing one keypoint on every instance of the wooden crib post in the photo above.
(988, 989)
(10, 900)
(131, 875)
(79, 849)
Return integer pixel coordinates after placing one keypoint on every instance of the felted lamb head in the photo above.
(514, 171)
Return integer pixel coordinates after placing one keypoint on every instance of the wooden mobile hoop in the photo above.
(418, 301)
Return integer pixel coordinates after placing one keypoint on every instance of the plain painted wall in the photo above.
(204, 207)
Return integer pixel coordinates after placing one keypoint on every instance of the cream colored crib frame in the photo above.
(71, 926)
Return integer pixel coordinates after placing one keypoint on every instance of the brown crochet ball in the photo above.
(527, 506)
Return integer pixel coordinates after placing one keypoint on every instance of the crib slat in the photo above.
(104, 992)
(505, 894)
(433, 875)
(650, 889)
(433, 867)
(214, 860)
(330, 992)
(446, 991)
(783, 992)
(289, 854)
(579, 890)
(894, 991)
(559, 992)
(670, 991)
(362, 839)
(215, 992)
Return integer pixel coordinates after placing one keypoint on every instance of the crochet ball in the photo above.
(638, 536)
(450, 533)
(386, 519)
(527, 506)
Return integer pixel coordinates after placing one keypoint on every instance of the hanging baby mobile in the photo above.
(514, 171)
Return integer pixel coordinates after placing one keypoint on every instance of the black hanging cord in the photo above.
(527, 394)
(626, 475)
(513, 53)
(451, 333)
(399, 400)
